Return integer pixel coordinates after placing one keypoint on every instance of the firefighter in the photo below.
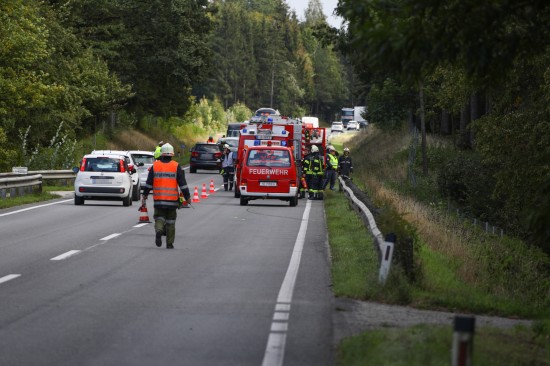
(305, 163)
(156, 154)
(228, 168)
(210, 140)
(332, 168)
(345, 166)
(164, 178)
(315, 172)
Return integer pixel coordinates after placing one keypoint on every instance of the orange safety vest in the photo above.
(165, 183)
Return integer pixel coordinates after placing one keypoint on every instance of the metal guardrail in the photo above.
(21, 184)
(385, 248)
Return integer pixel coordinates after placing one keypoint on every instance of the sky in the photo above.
(328, 8)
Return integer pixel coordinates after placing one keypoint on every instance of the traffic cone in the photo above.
(144, 216)
(196, 195)
(203, 193)
(212, 189)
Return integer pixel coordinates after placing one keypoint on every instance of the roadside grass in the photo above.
(460, 267)
(425, 345)
(29, 198)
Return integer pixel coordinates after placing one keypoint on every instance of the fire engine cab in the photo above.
(269, 147)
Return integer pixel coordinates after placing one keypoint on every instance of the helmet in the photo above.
(346, 149)
(226, 146)
(314, 149)
(330, 148)
(167, 150)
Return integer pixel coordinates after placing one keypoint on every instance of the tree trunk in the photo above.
(464, 119)
(474, 114)
(445, 123)
(423, 130)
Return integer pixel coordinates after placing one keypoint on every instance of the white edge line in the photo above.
(32, 208)
(275, 348)
(8, 277)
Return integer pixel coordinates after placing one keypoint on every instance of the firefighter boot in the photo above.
(231, 186)
(302, 194)
(170, 234)
(159, 230)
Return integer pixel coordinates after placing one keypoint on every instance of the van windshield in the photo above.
(272, 158)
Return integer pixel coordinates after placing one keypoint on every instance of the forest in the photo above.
(474, 73)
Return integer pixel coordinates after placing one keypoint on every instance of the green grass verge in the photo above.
(30, 198)
(425, 345)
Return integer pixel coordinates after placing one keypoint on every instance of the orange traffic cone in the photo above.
(196, 195)
(203, 193)
(212, 188)
(144, 216)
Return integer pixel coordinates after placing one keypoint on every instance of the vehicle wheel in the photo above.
(135, 193)
(293, 201)
(192, 169)
(127, 201)
(78, 200)
(244, 201)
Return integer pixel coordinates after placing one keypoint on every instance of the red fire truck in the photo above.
(274, 131)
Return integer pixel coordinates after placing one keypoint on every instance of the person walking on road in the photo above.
(332, 167)
(228, 168)
(165, 177)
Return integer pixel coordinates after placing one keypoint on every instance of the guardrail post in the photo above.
(387, 255)
(463, 341)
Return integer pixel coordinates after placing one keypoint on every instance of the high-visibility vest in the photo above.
(157, 154)
(165, 183)
(333, 161)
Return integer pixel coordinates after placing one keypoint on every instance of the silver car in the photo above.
(144, 161)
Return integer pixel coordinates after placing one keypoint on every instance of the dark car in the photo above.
(205, 156)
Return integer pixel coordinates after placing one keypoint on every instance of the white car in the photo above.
(337, 127)
(144, 161)
(353, 125)
(103, 177)
(132, 166)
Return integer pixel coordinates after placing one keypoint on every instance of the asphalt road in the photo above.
(85, 285)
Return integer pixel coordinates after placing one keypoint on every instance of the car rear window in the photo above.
(143, 158)
(207, 148)
(102, 164)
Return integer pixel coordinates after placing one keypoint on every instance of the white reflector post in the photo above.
(385, 263)
(463, 341)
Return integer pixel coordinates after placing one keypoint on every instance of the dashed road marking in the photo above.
(8, 277)
(65, 255)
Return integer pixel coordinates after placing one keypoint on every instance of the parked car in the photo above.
(337, 127)
(353, 125)
(103, 177)
(144, 161)
(131, 166)
(205, 156)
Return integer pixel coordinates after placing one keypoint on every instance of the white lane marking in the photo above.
(65, 255)
(280, 316)
(8, 277)
(110, 236)
(279, 327)
(275, 349)
(282, 307)
(140, 225)
(32, 208)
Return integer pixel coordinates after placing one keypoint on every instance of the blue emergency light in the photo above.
(270, 120)
(284, 132)
(257, 142)
(283, 143)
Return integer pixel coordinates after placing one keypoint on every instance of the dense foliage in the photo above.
(482, 71)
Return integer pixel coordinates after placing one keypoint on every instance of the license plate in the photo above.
(101, 181)
(268, 184)
(206, 156)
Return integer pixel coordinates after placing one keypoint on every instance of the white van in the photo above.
(314, 121)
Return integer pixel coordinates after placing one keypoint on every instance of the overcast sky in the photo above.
(328, 8)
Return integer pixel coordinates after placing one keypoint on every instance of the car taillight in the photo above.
(122, 167)
(83, 165)
(217, 155)
(195, 154)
